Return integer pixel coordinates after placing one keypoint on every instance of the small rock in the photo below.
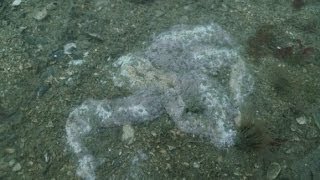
(256, 165)
(40, 15)
(127, 133)
(95, 36)
(301, 120)
(171, 147)
(76, 62)
(46, 157)
(295, 138)
(16, 167)
(196, 165)
(11, 162)
(50, 124)
(10, 150)
(158, 13)
(68, 48)
(273, 171)
(154, 134)
(16, 3)
(185, 164)
(168, 166)
(163, 151)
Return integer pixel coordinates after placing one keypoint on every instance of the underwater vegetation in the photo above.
(268, 40)
(261, 43)
(253, 135)
(297, 53)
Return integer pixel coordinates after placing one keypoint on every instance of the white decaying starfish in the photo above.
(192, 73)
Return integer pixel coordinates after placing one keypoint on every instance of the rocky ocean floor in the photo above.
(57, 55)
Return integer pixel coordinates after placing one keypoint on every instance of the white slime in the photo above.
(192, 73)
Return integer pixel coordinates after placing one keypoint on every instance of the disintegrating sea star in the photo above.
(192, 73)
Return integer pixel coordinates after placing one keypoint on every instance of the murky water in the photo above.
(159, 89)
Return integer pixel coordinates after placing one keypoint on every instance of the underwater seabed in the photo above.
(159, 89)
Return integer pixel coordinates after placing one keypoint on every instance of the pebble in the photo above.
(50, 124)
(40, 15)
(30, 163)
(68, 48)
(10, 150)
(16, 3)
(273, 171)
(127, 133)
(11, 162)
(256, 165)
(163, 151)
(196, 165)
(16, 167)
(168, 166)
(301, 120)
(158, 13)
(171, 147)
(154, 134)
(76, 62)
(185, 164)
(237, 172)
